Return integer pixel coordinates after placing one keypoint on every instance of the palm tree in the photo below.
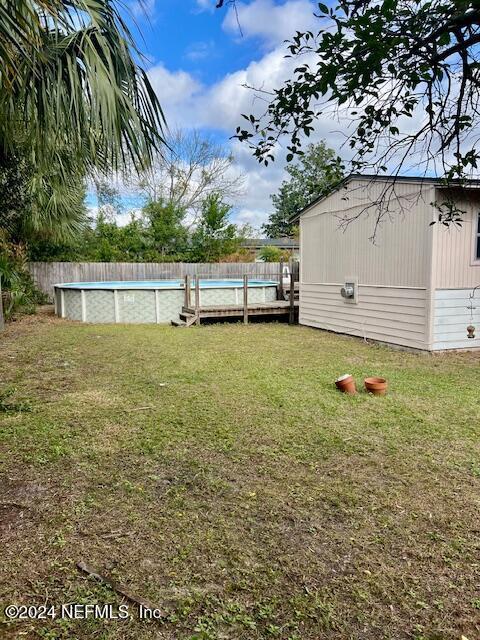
(73, 98)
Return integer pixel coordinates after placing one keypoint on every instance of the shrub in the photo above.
(273, 254)
(19, 293)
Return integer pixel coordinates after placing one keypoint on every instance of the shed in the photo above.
(411, 284)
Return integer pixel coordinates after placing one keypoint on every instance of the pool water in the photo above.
(162, 284)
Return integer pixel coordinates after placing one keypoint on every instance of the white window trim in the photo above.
(476, 234)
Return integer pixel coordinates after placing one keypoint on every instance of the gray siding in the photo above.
(451, 319)
(400, 255)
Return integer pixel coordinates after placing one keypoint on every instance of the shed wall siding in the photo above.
(451, 319)
(395, 315)
(453, 264)
(401, 253)
(393, 273)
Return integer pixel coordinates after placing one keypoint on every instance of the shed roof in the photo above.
(283, 243)
(440, 182)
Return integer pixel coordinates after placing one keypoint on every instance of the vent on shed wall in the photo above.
(349, 291)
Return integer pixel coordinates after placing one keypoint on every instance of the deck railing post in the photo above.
(281, 294)
(197, 298)
(291, 317)
(245, 299)
(187, 291)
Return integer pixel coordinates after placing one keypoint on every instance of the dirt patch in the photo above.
(13, 517)
(27, 323)
(19, 503)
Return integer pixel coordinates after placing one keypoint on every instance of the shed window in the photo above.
(477, 239)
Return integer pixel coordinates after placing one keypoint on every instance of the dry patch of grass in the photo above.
(217, 472)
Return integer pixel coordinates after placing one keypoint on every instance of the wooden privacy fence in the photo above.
(46, 274)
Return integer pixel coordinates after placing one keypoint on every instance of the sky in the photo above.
(198, 59)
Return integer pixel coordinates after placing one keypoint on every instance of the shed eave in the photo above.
(470, 184)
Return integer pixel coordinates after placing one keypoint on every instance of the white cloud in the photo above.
(121, 219)
(253, 219)
(271, 22)
(260, 182)
(226, 100)
(200, 50)
(189, 104)
(177, 91)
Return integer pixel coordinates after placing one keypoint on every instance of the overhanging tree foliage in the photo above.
(405, 72)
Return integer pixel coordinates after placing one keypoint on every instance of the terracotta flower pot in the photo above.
(377, 386)
(346, 384)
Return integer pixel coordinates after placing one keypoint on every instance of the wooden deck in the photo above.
(276, 308)
(194, 313)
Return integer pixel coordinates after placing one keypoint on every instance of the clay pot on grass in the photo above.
(377, 386)
(346, 384)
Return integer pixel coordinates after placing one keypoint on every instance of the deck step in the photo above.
(188, 318)
(178, 323)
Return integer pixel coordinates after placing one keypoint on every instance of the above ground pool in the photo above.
(150, 301)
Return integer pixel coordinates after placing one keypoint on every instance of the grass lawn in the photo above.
(217, 472)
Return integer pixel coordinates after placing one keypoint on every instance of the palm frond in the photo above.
(69, 74)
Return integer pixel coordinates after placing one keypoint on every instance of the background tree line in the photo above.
(186, 217)
(157, 233)
(187, 190)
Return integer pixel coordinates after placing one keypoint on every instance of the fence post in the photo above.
(2, 320)
(197, 298)
(291, 317)
(245, 299)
